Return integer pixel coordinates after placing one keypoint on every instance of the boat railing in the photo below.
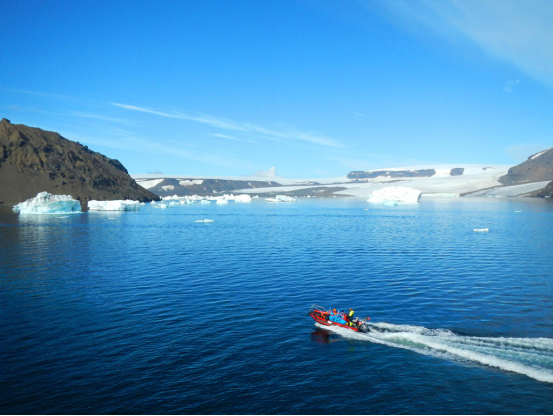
(316, 307)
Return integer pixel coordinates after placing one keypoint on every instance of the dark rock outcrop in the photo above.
(33, 160)
(456, 171)
(203, 187)
(538, 168)
(420, 173)
(546, 192)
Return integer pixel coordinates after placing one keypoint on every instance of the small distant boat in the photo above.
(330, 318)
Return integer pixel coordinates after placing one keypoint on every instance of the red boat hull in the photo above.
(321, 316)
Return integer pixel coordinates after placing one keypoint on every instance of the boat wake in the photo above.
(532, 357)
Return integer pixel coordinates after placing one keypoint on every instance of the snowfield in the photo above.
(476, 180)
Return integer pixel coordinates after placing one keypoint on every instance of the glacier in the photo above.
(114, 205)
(46, 203)
(393, 195)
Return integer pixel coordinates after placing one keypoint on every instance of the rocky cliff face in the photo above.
(537, 168)
(33, 160)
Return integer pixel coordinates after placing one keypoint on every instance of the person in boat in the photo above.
(350, 316)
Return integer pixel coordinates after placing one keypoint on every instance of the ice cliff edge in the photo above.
(393, 195)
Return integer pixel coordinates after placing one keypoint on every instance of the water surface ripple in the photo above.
(150, 312)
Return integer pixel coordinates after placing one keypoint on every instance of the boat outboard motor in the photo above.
(364, 326)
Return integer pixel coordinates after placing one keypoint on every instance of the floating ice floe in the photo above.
(222, 201)
(393, 195)
(281, 198)
(245, 198)
(115, 205)
(161, 206)
(205, 221)
(481, 230)
(46, 203)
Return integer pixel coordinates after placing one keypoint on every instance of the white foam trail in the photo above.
(532, 357)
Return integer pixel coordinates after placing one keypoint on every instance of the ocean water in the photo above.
(151, 312)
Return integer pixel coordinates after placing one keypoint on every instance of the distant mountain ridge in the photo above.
(203, 187)
(33, 160)
(401, 173)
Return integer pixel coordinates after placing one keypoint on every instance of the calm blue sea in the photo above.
(150, 312)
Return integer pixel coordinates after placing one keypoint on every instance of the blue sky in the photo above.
(312, 88)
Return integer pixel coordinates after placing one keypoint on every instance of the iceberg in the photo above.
(281, 198)
(205, 221)
(46, 203)
(481, 230)
(114, 205)
(393, 195)
(245, 198)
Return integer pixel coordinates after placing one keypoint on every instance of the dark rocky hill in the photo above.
(203, 187)
(538, 168)
(33, 160)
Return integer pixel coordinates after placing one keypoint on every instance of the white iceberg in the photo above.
(206, 220)
(161, 206)
(222, 201)
(481, 230)
(114, 205)
(245, 198)
(281, 198)
(46, 203)
(393, 195)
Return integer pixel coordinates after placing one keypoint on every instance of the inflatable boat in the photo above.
(330, 317)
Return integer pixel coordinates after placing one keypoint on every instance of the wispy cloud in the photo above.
(48, 95)
(515, 31)
(224, 136)
(358, 114)
(127, 141)
(510, 85)
(97, 117)
(248, 128)
(269, 174)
